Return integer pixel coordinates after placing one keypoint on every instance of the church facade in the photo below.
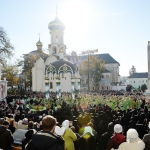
(58, 72)
(53, 72)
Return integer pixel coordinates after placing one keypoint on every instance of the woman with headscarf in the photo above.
(87, 141)
(68, 136)
(117, 138)
(133, 141)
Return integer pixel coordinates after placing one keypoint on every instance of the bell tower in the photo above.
(56, 28)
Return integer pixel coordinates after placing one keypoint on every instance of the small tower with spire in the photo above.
(39, 44)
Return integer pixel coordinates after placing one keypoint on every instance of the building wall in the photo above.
(114, 69)
(38, 76)
(136, 82)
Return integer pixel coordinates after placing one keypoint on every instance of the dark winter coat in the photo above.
(44, 140)
(104, 139)
(87, 142)
(146, 140)
(6, 138)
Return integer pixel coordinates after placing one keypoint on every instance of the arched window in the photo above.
(54, 50)
(51, 85)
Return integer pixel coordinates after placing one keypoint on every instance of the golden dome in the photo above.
(61, 50)
(39, 43)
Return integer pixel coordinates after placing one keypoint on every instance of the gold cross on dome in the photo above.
(39, 36)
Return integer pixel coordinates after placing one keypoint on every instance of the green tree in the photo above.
(6, 48)
(27, 63)
(94, 67)
(10, 72)
(143, 87)
(132, 70)
(139, 88)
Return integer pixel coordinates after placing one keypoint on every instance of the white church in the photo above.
(58, 71)
(53, 72)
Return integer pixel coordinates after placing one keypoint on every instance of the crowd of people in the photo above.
(71, 125)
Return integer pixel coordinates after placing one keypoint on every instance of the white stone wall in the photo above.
(136, 82)
(119, 87)
(38, 76)
(50, 60)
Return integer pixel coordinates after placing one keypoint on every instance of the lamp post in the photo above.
(89, 52)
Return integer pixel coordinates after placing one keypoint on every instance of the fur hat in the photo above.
(118, 128)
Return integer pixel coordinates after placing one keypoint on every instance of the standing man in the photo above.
(46, 139)
(6, 138)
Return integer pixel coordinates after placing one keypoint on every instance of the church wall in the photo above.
(54, 85)
(50, 60)
(66, 83)
(33, 79)
(57, 37)
(40, 75)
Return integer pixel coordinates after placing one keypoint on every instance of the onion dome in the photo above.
(39, 43)
(56, 25)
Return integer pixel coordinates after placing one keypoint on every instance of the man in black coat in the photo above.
(46, 139)
(6, 138)
(146, 140)
(103, 141)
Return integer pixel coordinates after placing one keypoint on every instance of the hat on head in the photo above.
(132, 135)
(58, 130)
(25, 121)
(118, 128)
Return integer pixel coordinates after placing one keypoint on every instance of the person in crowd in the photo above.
(12, 126)
(6, 138)
(117, 138)
(46, 139)
(1, 121)
(133, 142)
(68, 135)
(103, 141)
(93, 131)
(58, 131)
(76, 145)
(30, 125)
(146, 140)
(23, 124)
(28, 137)
(87, 141)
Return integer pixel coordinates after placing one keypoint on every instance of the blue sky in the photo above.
(120, 28)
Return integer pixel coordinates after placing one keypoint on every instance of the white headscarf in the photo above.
(65, 125)
(58, 131)
(88, 129)
(132, 135)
